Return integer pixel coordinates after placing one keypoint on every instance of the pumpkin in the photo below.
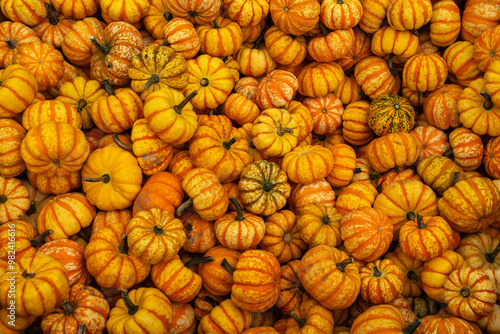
(326, 113)
(398, 45)
(38, 200)
(163, 191)
(412, 270)
(363, 172)
(291, 290)
(431, 140)
(394, 149)
(225, 318)
(491, 83)
(220, 147)
(181, 164)
(283, 49)
(461, 65)
(254, 58)
(154, 235)
(374, 13)
(239, 231)
(308, 164)
(12, 135)
(445, 23)
(14, 199)
(85, 306)
(486, 48)
(221, 37)
(469, 294)
(319, 225)
(211, 79)
(195, 12)
(479, 251)
(38, 274)
(436, 271)
(440, 107)
(356, 195)
(367, 233)
(310, 317)
(65, 215)
(390, 114)
(330, 45)
(263, 187)
(341, 15)
(17, 89)
(256, 281)
(55, 185)
(113, 50)
(425, 238)
(76, 45)
(176, 280)
(44, 111)
(240, 109)
(157, 18)
(318, 192)
(491, 157)
(376, 77)
(182, 37)
(13, 34)
(122, 11)
(247, 85)
(108, 260)
(440, 173)
(183, 319)
(477, 17)
(488, 323)
(425, 72)
(318, 79)
(208, 196)
(295, 17)
(396, 174)
(381, 282)
(444, 321)
(470, 205)
(139, 307)
(380, 318)
(359, 51)
(28, 12)
(247, 13)
(157, 67)
(200, 234)
(467, 148)
(477, 111)
(216, 278)
(19, 236)
(355, 128)
(348, 91)
(402, 200)
(53, 28)
(276, 89)
(344, 162)
(337, 269)
(409, 16)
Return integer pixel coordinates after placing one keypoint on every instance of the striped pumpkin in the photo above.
(390, 114)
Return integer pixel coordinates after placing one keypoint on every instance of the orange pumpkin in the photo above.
(11, 137)
(240, 108)
(318, 192)
(330, 45)
(412, 270)
(486, 48)
(376, 77)
(379, 319)
(402, 15)
(425, 72)
(445, 321)
(309, 316)
(355, 128)
(491, 157)
(182, 37)
(195, 12)
(162, 191)
(445, 23)
(399, 46)
(220, 38)
(320, 225)
(341, 15)
(22, 237)
(181, 164)
(431, 140)
(326, 113)
(381, 282)
(477, 17)
(374, 12)
(200, 234)
(308, 164)
(344, 162)
(318, 79)
(461, 65)
(108, 218)
(403, 147)
(440, 107)
(225, 315)
(467, 148)
(55, 185)
(44, 111)
(28, 12)
(53, 28)
(276, 89)
(356, 195)
(18, 90)
(12, 35)
(295, 17)
(283, 49)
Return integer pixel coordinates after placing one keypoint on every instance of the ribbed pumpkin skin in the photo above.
(395, 149)
(276, 89)
(381, 282)
(467, 148)
(308, 164)
(401, 44)
(316, 317)
(355, 127)
(44, 111)
(300, 16)
(439, 172)
(17, 91)
(216, 279)
(317, 192)
(182, 37)
(318, 79)
(477, 17)
(431, 140)
(283, 49)
(471, 205)
(412, 270)
(403, 15)
(440, 107)
(220, 41)
(320, 225)
(425, 72)
(196, 12)
(226, 315)
(444, 322)
(461, 65)
(11, 137)
(484, 44)
(163, 190)
(356, 195)
(479, 251)
(390, 114)
(374, 12)
(375, 77)
(491, 157)
(13, 34)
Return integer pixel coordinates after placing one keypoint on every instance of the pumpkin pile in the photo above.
(249, 166)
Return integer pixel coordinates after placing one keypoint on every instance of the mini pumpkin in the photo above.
(18, 90)
(403, 147)
(381, 282)
(390, 114)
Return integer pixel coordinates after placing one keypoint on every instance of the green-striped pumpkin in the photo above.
(390, 114)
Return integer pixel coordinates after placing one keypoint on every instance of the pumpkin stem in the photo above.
(216, 25)
(341, 266)
(252, 145)
(268, 186)
(391, 68)
(158, 230)
(52, 18)
(166, 43)
(39, 240)
(411, 216)
(465, 292)
(374, 176)
(32, 209)
(227, 144)
(415, 32)
(108, 88)
(11, 44)
(132, 309)
(225, 59)
(259, 40)
(412, 276)
(211, 301)
(101, 48)
(82, 328)
(356, 170)
(28, 275)
(456, 177)
(120, 143)
(204, 82)
(198, 260)
(82, 103)
(178, 108)
(300, 287)
(3, 198)
(397, 169)
(183, 207)
(155, 78)
(410, 329)
(488, 104)
(300, 321)
(239, 212)
(321, 137)
(324, 29)
(490, 257)
(326, 220)
(67, 308)
(448, 153)
(420, 222)
(105, 178)
(193, 14)
(123, 249)
(376, 272)
(281, 130)
(168, 16)
(227, 266)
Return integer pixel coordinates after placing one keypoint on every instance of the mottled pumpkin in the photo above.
(444, 321)
(317, 79)
(181, 36)
(225, 317)
(317, 192)
(320, 225)
(390, 114)
(379, 319)
(355, 127)
(467, 148)
(431, 140)
(309, 316)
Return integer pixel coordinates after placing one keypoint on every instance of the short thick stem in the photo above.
(490, 257)
(411, 216)
(268, 186)
(301, 322)
(376, 272)
(183, 207)
(11, 44)
(488, 104)
(225, 59)
(39, 240)
(108, 88)
(123, 249)
(420, 222)
(216, 25)
(356, 170)
(82, 103)
(281, 130)
(178, 108)
(448, 153)
(120, 143)
(227, 266)
(28, 275)
(412, 276)
(101, 48)
(82, 328)
(239, 211)
(211, 301)
(53, 20)
(465, 292)
(32, 209)
(158, 230)
(227, 144)
(132, 309)
(204, 82)
(155, 78)
(391, 68)
(67, 308)
(105, 178)
(342, 265)
(168, 16)
(324, 29)
(198, 260)
(3, 199)
(410, 329)
(456, 177)
(260, 39)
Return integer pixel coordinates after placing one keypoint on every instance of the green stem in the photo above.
(39, 240)
(32, 209)
(198, 260)
(216, 25)
(490, 257)
(227, 144)
(155, 78)
(211, 301)
(101, 48)
(410, 329)
(225, 59)
(105, 178)
(488, 104)
(53, 20)
(204, 82)
(260, 39)
(178, 108)
(108, 88)
(123, 248)
(281, 131)
(268, 186)
(239, 212)
(410, 216)
(67, 307)
(376, 272)
(420, 222)
(391, 68)
(183, 207)
(301, 322)
(465, 292)
(158, 230)
(342, 265)
(324, 29)
(132, 309)
(448, 153)
(82, 103)
(227, 266)
(456, 177)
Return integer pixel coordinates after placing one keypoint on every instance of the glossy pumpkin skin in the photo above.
(154, 235)
(425, 238)
(412, 270)
(119, 178)
(395, 149)
(320, 225)
(163, 191)
(440, 173)
(210, 200)
(440, 107)
(336, 268)
(256, 281)
(376, 78)
(402, 200)
(390, 114)
(18, 90)
(85, 305)
(469, 294)
(108, 260)
(41, 275)
(264, 188)
(381, 282)
(436, 271)
(491, 158)
(12, 135)
(295, 17)
(153, 308)
(379, 318)
(227, 316)
(367, 233)
(443, 321)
